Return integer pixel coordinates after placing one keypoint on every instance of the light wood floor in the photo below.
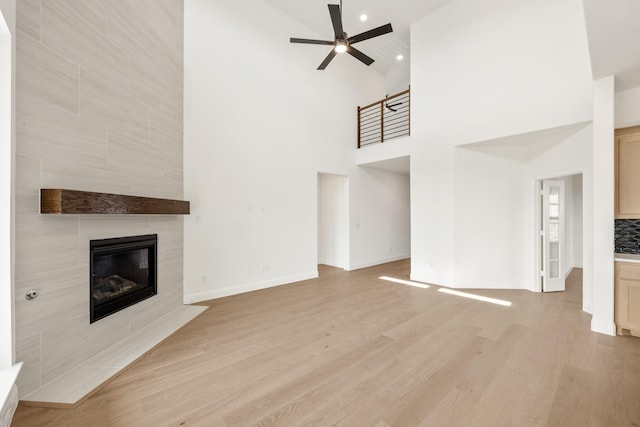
(350, 349)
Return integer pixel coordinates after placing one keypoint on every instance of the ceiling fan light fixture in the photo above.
(341, 46)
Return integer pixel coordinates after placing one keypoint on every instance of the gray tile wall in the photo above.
(99, 108)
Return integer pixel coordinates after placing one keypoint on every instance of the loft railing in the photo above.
(385, 119)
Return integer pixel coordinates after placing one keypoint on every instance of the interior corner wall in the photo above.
(398, 78)
(482, 71)
(490, 226)
(432, 211)
(494, 205)
(380, 208)
(260, 123)
(627, 108)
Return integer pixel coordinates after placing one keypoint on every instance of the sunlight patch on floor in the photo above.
(475, 297)
(404, 282)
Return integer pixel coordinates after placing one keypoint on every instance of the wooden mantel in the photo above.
(59, 201)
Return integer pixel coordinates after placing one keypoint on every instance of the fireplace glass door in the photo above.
(123, 272)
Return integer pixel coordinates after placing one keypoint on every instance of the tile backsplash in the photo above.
(627, 236)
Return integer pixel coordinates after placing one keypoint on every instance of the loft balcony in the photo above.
(385, 120)
(381, 122)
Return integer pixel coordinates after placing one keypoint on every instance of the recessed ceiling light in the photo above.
(399, 57)
(363, 17)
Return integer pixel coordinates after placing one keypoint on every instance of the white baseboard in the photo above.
(587, 308)
(471, 285)
(603, 326)
(330, 263)
(492, 285)
(430, 280)
(371, 263)
(249, 287)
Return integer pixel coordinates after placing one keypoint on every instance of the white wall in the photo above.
(568, 225)
(260, 122)
(399, 77)
(333, 220)
(578, 231)
(572, 250)
(501, 67)
(380, 217)
(603, 206)
(484, 71)
(8, 371)
(490, 226)
(627, 108)
(8, 10)
(6, 202)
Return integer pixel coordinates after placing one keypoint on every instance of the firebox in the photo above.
(123, 272)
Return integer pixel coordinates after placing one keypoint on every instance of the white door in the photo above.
(552, 236)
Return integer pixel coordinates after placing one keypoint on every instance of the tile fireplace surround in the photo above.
(98, 108)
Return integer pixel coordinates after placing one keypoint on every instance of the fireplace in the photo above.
(123, 272)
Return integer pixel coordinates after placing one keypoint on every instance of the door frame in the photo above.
(342, 232)
(536, 184)
(545, 265)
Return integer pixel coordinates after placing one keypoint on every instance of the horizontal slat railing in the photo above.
(386, 119)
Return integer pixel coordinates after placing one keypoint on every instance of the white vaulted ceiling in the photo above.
(613, 29)
(384, 49)
(611, 25)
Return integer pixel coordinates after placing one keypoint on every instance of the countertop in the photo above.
(627, 258)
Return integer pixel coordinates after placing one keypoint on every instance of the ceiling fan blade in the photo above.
(370, 34)
(328, 59)
(310, 41)
(394, 105)
(336, 19)
(359, 55)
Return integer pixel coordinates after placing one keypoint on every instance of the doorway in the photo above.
(333, 220)
(559, 230)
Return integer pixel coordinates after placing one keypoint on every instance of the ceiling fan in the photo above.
(391, 107)
(342, 43)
